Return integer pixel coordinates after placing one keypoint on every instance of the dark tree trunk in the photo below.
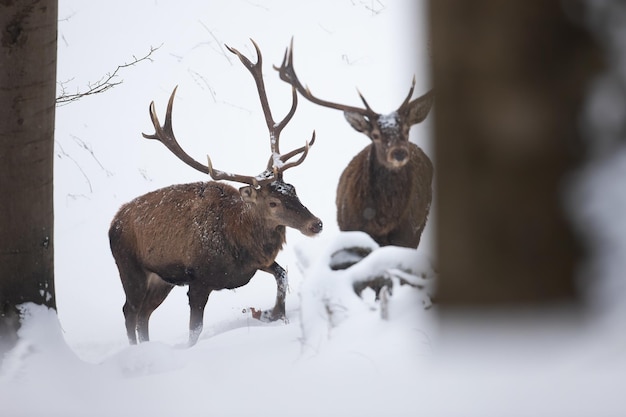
(28, 47)
(510, 78)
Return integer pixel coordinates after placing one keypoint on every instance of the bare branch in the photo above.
(63, 154)
(86, 147)
(218, 42)
(103, 84)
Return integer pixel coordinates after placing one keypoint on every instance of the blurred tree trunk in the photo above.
(28, 47)
(510, 78)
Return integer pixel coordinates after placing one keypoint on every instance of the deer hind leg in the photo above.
(130, 320)
(198, 297)
(278, 312)
(134, 282)
(156, 292)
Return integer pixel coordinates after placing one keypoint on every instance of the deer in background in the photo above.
(208, 235)
(385, 190)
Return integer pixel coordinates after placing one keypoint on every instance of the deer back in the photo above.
(194, 224)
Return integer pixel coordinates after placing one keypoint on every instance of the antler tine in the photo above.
(222, 175)
(279, 160)
(256, 71)
(165, 135)
(287, 73)
(367, 106)
(292, 111)
(303, 150)
(408, 97)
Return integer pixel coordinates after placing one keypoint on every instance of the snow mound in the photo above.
(353, 303)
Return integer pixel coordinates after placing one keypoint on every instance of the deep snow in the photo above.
(335, 355)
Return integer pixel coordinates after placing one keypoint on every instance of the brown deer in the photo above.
(385, 190)
(208, 235)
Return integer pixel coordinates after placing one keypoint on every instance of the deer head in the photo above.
(389, 133)
(267, 190)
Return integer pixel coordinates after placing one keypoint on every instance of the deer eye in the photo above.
(273, 204)
(375, 136)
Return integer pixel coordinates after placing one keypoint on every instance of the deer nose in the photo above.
(316, 226)
(399, 154)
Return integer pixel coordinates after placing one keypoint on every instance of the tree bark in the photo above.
(510, 78)
(28, 48)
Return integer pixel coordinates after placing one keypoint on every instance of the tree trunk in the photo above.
(510, 78)
(28, 47)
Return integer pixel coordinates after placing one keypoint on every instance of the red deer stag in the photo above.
(385, 190)
(208, 235)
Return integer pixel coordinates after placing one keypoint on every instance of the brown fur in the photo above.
(391, 205)
(206, 235)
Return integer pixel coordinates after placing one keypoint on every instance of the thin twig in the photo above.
(86, 147)
(68, 156)
(103, 84)
(219, 44)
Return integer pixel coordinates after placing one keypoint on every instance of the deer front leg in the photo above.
(278, 312)
(198, 297)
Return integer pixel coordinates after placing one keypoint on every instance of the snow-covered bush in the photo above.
(364, 290)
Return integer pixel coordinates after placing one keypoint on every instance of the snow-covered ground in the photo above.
(335, 355)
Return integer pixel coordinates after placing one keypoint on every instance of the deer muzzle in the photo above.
(314, 227)
(397, 157)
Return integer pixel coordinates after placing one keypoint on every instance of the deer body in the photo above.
(205, 235)
(390, 205)
(190, 232)
(208, 235)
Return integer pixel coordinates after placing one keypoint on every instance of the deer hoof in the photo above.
(266, 316)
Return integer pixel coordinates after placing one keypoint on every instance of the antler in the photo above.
(165, 135)
(408, 97)
(288, 74)
(277, 163)
(284, 158)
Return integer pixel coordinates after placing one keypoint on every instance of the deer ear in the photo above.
(359, 122)
(418, 109)
(248, 193)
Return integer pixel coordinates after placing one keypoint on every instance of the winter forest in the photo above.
(336, 353)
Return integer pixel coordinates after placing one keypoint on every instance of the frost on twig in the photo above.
(106, 82)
